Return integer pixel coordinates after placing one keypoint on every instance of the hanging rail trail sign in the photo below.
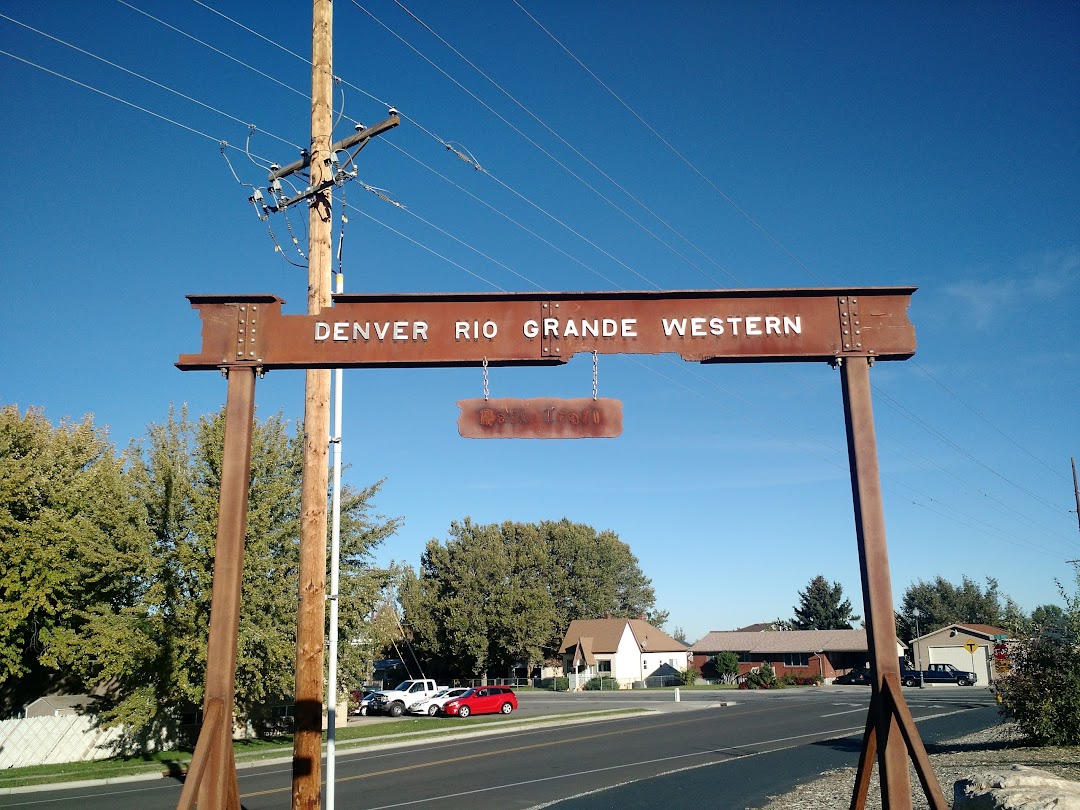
(246, 335)
(540, 418)
(410, 330)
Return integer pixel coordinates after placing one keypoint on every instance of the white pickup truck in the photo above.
(395, 702)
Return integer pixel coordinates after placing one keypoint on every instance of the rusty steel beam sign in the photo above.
(546, 328)
(245, 335)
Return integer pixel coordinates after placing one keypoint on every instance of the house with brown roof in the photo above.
(802, 653)
(631, 651)
(970, 647)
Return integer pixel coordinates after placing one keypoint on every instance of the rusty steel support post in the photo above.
(212, 775)
(892, 759)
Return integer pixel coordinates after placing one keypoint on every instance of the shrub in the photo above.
(727, 665)
(1042, 693)
(689, 676)
(763, 678)
(601, 683)
(560, 684)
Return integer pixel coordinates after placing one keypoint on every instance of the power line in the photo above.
(577, 152)
(517, 130)
(989, 424)
(742, 212)
(205, 135)
(137, 75)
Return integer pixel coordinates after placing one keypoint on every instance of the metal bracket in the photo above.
(247, 333)
(850, 327)
(549, 344)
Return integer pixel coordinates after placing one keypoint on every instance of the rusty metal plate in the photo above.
(546, 328)
(540, 418)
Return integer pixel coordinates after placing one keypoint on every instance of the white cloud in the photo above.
(1035, 280)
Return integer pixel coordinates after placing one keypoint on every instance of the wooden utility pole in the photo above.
(307, 742)
(1076, 490)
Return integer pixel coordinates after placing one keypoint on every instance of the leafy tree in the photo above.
(822, 607)
(1042, 692)
(492, 597)
(941, 603)
(480, 603)
(154, 649)
(1047, 617)
(69, 537)
(680, 635)
(727, 665)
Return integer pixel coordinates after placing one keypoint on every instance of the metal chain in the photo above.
(486, 393)
(594, 376)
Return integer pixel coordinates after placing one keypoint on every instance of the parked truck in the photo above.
(395, 702)
(937, 673)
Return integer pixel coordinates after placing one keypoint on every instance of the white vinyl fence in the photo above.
(52, 740)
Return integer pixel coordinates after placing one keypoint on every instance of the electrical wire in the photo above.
(527, 139)
(989, 424)
(136, 75)
(225, 144)
(577, 152)
(742, 212)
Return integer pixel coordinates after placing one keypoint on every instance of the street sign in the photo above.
(971, 647)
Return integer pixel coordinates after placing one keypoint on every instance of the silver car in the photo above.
(431, 706)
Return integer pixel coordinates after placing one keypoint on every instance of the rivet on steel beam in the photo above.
(854, 300)
(843, 301)
(242, 308)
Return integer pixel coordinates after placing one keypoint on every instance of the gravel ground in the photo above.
(994, 748)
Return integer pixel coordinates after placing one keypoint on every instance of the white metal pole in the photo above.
(335, 552)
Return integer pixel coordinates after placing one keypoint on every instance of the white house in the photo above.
(629, 650)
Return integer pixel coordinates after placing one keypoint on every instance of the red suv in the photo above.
(482, 700)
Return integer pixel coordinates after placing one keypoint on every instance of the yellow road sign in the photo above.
(971, 647)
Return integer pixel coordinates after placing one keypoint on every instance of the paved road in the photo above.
(696, 752)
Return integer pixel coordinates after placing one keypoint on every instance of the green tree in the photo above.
(823, 607)
(1047, 617)
(154, 650)
(69, 538)
(1042, 692)
(727, 665)
(480, 604)
(496, 596)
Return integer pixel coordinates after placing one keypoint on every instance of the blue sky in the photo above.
(622, 146)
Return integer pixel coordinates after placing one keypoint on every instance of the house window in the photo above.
(603, 666)
(796, 659)
(744, 658)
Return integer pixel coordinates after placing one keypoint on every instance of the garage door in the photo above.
(979, 662)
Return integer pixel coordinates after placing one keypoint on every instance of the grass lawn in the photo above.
(176, 762)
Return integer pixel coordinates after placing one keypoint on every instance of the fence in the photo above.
(52, 740)
(609, 684)
(516, 682)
